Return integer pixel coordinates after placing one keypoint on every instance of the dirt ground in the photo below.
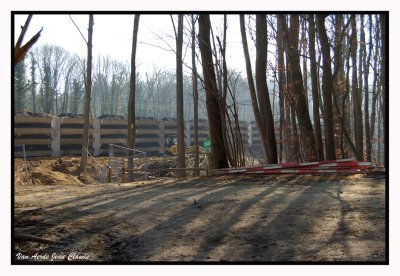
(240, 218)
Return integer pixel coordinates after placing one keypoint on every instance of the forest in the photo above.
(314, 84)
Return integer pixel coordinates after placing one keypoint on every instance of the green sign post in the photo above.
(207, 145)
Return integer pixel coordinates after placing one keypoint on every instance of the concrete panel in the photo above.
(32, 141)
(27, 120)
(27, 131)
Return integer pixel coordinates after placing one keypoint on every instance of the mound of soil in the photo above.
(52, 171)
(85, 178)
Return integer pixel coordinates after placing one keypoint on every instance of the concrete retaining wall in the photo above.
(55, 136)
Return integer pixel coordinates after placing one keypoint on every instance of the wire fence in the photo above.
(95, 172)
(126, 164)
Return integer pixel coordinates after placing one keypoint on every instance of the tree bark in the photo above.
(19, 50)
(358, 127)
(195, 101)
(282, 87)
(262, 89)
(376, 86)
(382, 22)
(85, 144)
(314, 87)
(366, 64)
(339, 91)
(252, 88)
(213, 110)
(327, 88)
(296, 95)
(132, 95)
(179, 97)
(304, 50)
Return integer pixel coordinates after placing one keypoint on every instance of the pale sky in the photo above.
(112, 35)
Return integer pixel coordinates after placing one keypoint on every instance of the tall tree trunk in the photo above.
(376, 86)
(314, 87)
(282, 87)
(222, 78)
(252, 90)
(341, 115)
(339, 91)
(327, 88)
(358, 127)
(292, 138)
(379, 131)
(87, 97)
(132, 95)
(366, 61)
(296, 95)
(195, 101)
(179, 97)
(304, 49)
(213, 110)
(262, 89)
(296, 142)
(360, 58)
(383, 22)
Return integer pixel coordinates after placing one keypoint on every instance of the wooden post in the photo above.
(161, 136)
(109, 175)
(56, 137)
(123, 170)
(210, 161)
(96, 137)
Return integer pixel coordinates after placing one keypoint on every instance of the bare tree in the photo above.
(262, 88)
(366, 65)
(21, 50)
(314, 88)
(260, 105)
(358, 127)
(88, 88)
(296, 88)
(327, 88)
(132, 94)
(179, 97)
(383, 21)
(212, 102)
(283, 129)
(376, 82)
(195, 99)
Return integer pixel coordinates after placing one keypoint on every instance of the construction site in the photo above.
(205, 162)
(315, 211)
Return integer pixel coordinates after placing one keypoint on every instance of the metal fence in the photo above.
(126, 164)
(94, 171)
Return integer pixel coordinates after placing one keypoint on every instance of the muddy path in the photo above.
(285, 218)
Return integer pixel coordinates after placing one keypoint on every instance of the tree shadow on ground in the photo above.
(246, 219)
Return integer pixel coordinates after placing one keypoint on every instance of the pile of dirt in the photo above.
(65, 170)
(85, 178)
(32, 114)
(47, 171)
(51, 171)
